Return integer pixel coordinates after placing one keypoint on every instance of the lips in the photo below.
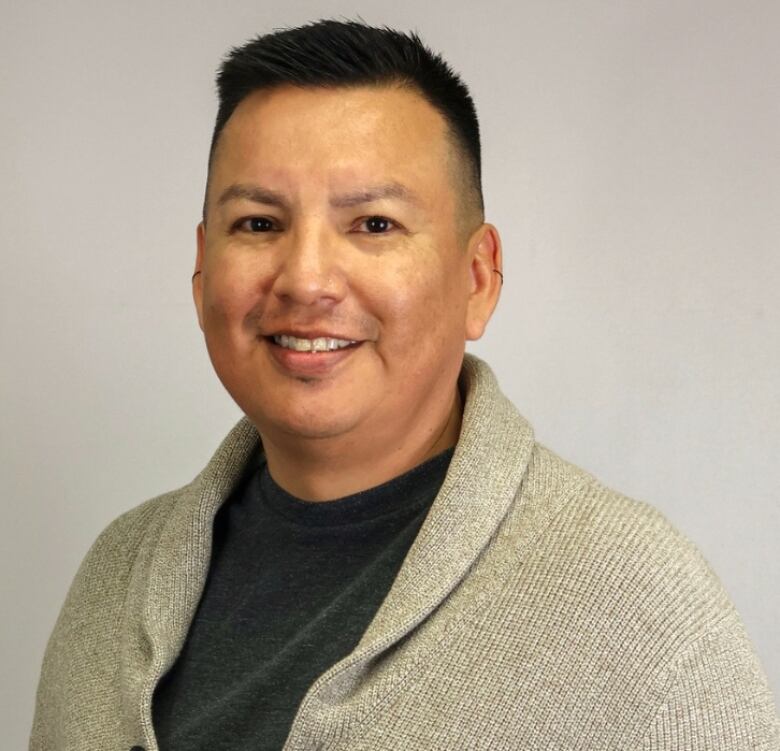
(318, 344)
(308, 363)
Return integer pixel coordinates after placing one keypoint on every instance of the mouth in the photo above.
(311, 358)
(312, 345)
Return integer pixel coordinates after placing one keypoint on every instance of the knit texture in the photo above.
(536, 609)
(292, 587)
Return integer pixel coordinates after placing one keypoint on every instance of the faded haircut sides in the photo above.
(332, 54)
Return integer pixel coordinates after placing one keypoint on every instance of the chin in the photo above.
(307, 424)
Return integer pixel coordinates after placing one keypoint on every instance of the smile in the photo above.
(315, 358)
(320, 344)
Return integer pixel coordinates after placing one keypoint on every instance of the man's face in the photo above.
(334, 214)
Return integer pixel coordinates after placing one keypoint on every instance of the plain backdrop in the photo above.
(631, 163)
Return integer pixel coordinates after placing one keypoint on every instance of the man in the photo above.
(380, 556)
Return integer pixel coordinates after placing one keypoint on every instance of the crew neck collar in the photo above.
(409, 490)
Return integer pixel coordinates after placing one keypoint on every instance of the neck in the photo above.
(323, 470)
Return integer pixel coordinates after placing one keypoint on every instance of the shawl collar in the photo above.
(484, 477)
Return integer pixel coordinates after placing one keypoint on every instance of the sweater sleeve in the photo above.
(718, 698)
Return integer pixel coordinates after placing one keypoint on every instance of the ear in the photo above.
(197, 277)
(484, 249)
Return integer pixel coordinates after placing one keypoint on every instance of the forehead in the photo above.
(330, 133)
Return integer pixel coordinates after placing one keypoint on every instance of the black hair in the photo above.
(330, 53)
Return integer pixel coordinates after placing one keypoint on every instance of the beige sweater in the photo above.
(537, 609)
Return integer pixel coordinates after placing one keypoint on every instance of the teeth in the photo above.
(321, 344)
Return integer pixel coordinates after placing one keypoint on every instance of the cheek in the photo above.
(425, 306)
(221, 306)
(227, 311)
(230, 293)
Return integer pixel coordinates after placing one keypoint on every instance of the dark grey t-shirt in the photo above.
(291, 588)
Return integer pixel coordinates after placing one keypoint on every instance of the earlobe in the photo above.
(486, 279)
(197, 276)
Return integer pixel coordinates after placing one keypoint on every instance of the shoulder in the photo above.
(94, 599)
(111, 556)
(623, 570)
(136, 532)
(586, 504)
(638, 595)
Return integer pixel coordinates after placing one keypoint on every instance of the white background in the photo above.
(632, 165)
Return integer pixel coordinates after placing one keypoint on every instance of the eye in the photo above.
(256, 224)
(376, 225)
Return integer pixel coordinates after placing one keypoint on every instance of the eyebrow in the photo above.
(254, 193)
(268, 197)
(375, 193)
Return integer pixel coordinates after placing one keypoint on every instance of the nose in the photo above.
(309, 270)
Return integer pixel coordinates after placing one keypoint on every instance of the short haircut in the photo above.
(332, 54)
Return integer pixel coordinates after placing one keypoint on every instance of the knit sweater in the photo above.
(536, 609)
